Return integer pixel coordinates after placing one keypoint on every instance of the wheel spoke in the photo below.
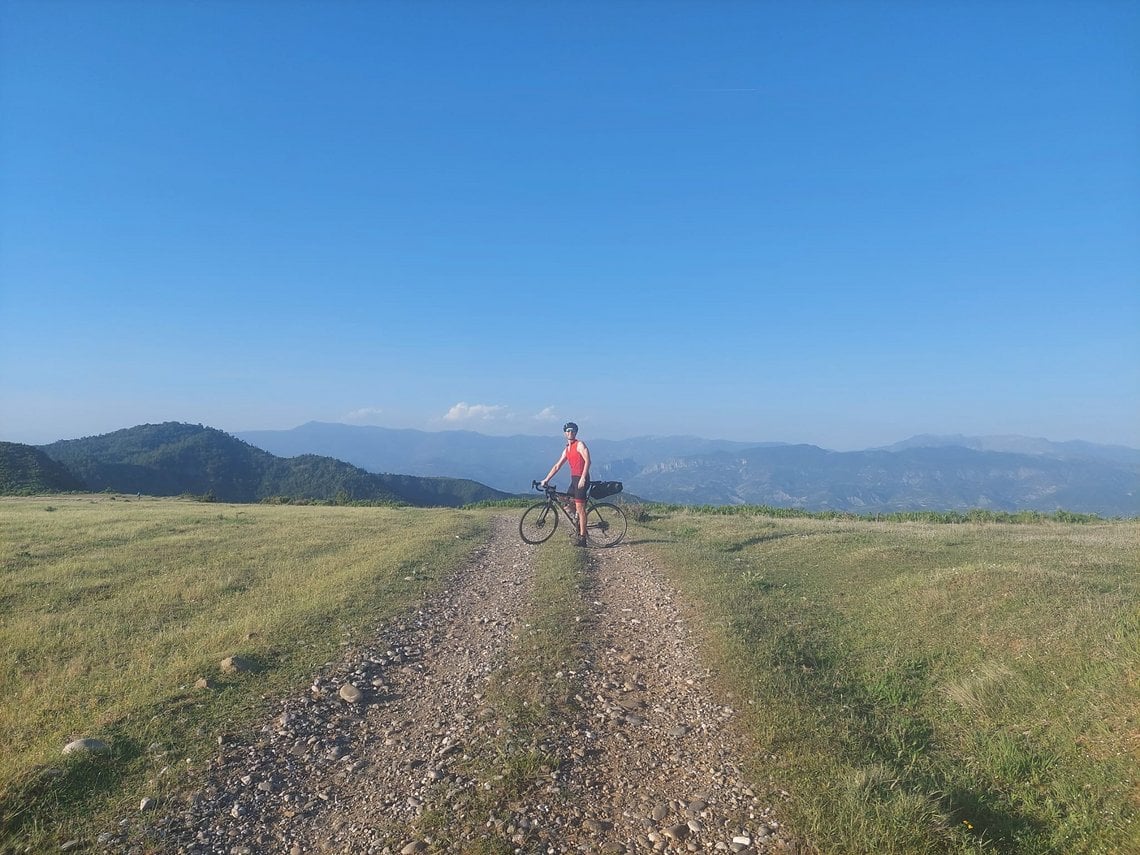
(605, 524)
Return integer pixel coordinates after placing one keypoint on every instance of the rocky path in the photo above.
(393, 749)
(665, 769)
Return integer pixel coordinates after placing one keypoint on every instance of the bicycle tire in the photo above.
(538, 523)
(606, 524)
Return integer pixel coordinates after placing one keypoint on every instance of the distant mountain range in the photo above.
(329, 462)
(174, 459)
(1073, 450)
(506, 463)
(1008, 473)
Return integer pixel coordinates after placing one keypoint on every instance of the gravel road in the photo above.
(387, 751)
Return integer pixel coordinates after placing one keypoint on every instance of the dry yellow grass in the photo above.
(111, 607)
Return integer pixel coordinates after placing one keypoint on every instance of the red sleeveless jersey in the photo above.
(575, 459)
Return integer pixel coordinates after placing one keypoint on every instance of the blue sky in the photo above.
(841, 223)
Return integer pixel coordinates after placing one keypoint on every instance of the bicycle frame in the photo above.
(605, 522)
(561, 500)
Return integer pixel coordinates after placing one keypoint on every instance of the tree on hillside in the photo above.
(25, 470)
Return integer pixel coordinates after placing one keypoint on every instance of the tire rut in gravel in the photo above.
(662, 766)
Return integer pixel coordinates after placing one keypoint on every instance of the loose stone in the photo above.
(88, 745)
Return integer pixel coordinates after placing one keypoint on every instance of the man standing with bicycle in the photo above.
(578, 456)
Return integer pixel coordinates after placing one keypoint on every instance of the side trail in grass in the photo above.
(549, 700)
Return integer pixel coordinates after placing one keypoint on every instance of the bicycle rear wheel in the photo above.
(538, 523)
(605, 524)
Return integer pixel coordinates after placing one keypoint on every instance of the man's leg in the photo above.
(580, 504)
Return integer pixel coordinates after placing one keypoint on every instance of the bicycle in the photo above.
(605, 522)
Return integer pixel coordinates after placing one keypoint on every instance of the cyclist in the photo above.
(578, 456)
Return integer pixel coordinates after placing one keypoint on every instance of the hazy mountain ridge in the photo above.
(507, 463)
(950, 478)
(924, 472)
(1014, 444)
(173, 458)
(452, 468)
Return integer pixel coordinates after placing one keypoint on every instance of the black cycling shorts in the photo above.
(576, 492)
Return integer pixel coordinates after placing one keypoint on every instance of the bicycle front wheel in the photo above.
(605, 524)
(538, 523)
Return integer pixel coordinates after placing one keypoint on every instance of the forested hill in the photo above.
(25, 470)
(173, 458)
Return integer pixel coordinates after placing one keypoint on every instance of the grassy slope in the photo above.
(930, 688)
(111, 609)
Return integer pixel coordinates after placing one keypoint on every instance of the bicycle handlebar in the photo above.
(549, 488)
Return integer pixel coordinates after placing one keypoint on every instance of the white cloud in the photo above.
(464, 412)
(547, 414)
(364, 415)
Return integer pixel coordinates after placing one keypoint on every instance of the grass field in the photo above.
(112, 607)
(920, 687)
(914, 687)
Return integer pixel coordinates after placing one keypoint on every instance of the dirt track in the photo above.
(649, 759)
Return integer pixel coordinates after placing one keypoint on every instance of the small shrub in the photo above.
(638, 513)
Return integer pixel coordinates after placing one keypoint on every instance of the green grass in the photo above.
(111, 608)
(922, 687)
